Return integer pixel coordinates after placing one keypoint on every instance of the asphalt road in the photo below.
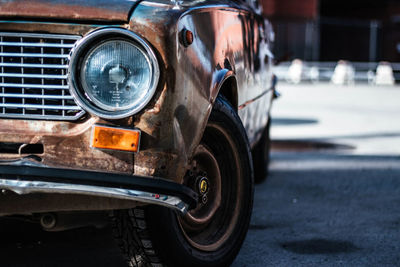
(332, 196)
(320, 209)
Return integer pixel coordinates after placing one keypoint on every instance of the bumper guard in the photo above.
(26, 179)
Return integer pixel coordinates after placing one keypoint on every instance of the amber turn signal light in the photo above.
(115, 138)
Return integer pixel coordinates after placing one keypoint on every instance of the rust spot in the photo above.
(156, 109)
(39, 128)
(91, 10)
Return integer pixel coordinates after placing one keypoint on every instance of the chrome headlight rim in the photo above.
(94, 39)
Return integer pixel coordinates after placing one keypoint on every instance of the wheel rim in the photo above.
(211, 224)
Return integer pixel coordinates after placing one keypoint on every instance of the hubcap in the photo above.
(215, 175)
(207, 182)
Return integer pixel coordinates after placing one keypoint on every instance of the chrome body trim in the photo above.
(38, 106)
(40, 76)
(40, 35)
(32, 55)
(37, 44)
(79, 51)
(30, 187)
(16, 85)
(23, 65)
(37, 96)
(44, 117)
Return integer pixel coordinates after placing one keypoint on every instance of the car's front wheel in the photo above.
(212, 233)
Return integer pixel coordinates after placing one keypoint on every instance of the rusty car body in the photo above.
(198, 53)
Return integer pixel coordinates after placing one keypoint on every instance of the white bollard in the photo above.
(384, 74)
(295, 72)
(343, 74)
(314, 74)
(371, 77)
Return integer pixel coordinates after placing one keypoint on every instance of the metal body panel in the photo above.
(99, 10)
(66, 144)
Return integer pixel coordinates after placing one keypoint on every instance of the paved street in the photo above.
(326, 209)
(332, 197)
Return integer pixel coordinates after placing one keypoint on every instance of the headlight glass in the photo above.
(116, 75)
(113, 73)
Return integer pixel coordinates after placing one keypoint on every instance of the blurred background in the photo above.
(338, 65)
(322, 32)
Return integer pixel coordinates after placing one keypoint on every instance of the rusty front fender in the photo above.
(174, 122)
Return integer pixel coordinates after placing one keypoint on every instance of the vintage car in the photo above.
(149, 112)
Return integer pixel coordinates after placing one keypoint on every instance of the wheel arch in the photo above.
(226, 85)
(230, 91)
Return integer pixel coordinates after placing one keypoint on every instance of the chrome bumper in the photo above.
(23, 179)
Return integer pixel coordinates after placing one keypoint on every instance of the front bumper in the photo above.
(27, 179)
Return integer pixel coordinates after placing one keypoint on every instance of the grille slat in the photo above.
(44, 66)
(33, 78)
(21, 85)
(23, 106)
(36, 96)
(36, 44)
(22, 55)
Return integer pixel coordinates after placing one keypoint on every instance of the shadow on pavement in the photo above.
(292, 121)
(319, 246)
(305, 145)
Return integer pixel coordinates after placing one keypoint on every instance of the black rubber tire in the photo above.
(132, 236)
(154, 235)
(261, 155)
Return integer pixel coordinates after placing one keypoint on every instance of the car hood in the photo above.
(88, 10)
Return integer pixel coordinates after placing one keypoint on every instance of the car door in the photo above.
(256, 96)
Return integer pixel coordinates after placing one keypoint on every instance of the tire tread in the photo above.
(132, 236)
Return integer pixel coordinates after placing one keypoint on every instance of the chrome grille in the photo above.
(33, 77)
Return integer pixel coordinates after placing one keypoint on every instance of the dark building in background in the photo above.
(296, 28)
(330, 30)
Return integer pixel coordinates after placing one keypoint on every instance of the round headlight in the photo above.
(113, 73)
